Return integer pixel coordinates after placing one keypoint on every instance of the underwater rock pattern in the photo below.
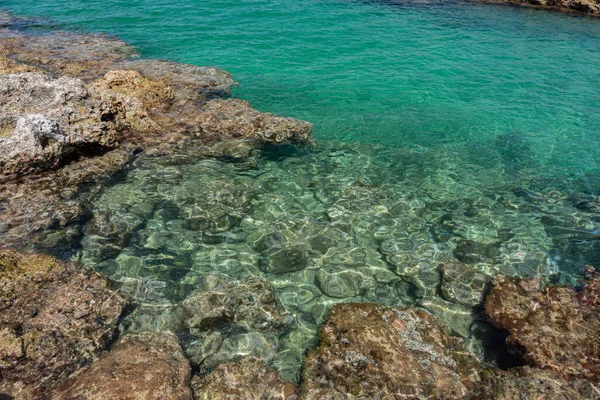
(555, 328)
(250, 304)
(247, 378)
(334, 224)
(54, 318)
(369, 351)
(461, 284)
(228, 319)
(529, 384)
(148, 366)
(97, 107)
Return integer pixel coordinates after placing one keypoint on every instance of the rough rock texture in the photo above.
(369, 351)
(528, 383)
(65, 53)
(8, 66)
(97, 99)
(235, 118)
(556, 328)
(248, 378)
(32, 203)
(52, 119)
(54, 318)
(146, 366)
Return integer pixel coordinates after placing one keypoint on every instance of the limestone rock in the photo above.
(368, 351)
(556, 328)
(53, 118)
(8, 66)
(233, 118)
(145, 366)
(248, 378)
(54, 318)
(529, 384)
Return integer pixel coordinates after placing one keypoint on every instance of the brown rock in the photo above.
(233, 118)
(368, 351)
(248, 378)
(8, 66)
(54, 318)
(528, 383)
(148, 366)
(556, 329)
(31, 204)
(132, 83)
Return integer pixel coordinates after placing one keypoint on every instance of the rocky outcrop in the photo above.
(368, 351)
(248, 378)
(145, 366)
(74, 102)
(52, 119)
(556, 328)
(54, 318)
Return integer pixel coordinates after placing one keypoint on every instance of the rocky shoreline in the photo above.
(76, 110)
(59, 324)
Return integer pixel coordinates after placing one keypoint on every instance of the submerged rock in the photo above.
(248, 378)
(146, 366)
(228, 319)
(556, 328)
(250, 304)
(368, 351)
(462, 284)
(54, 318)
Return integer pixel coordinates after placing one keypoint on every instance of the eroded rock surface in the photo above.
(556, 328)
(54, 318)
(248, 378)
(70, 100)
(146, 366)
(52, 118)
(369, 351)
(529, 384)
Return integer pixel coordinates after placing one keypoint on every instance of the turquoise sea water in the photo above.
(446, 130)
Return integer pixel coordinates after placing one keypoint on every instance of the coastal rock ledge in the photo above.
(75, 109)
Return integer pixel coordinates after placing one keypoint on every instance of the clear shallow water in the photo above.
(447, 131)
